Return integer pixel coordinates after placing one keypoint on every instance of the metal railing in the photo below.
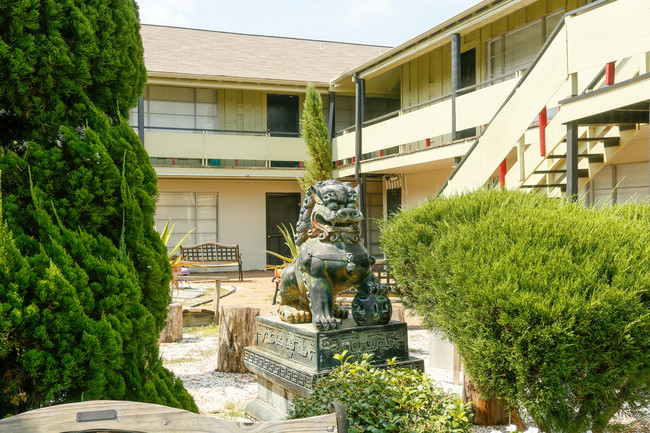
(432, 101)
(221, 131)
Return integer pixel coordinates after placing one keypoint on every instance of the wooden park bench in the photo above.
(213, 255)
(127, 416)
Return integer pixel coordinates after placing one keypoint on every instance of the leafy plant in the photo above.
(385, 400)
(177, 261)
(547, 301)
(289, 236)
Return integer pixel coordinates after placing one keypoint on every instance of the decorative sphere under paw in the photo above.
(371, 309)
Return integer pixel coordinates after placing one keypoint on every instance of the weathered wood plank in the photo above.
(152, 418)
(197, 316)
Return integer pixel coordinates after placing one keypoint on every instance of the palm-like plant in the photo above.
(176, 261)
(289, 235)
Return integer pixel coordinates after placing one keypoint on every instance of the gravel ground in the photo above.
(225, 395)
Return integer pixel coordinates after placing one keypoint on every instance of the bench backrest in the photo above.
(210, 252)
(125, 416)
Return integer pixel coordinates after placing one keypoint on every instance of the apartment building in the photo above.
(220, 120)
(547, 95)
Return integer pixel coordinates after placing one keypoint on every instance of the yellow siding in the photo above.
(429, 75)
(517, 19)
(242, 110)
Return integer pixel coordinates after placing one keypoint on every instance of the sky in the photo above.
(374, 22)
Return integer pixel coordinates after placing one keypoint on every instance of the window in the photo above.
(183, 108)
(188, 210)
(517, 49)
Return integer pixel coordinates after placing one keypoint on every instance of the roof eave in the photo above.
(221, 81)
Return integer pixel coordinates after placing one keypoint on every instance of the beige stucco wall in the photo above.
(241, 211)
(419, 186)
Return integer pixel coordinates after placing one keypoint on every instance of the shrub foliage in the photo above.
(547, 301)
(395, 400)
(84, 277)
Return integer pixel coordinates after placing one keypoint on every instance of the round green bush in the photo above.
(393, 400)
(547, 301)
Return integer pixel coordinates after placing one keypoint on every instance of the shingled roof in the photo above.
(220, 55)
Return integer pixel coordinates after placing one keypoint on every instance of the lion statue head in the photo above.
(330, 213)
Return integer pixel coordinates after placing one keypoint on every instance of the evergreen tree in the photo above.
(84, 285)
(59, 56)
(314, 131)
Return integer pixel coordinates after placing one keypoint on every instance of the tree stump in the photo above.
(173, 331)
(486, 412)
(236, 331)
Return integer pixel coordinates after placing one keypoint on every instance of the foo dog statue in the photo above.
(331, 260)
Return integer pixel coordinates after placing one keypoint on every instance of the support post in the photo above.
(360, 102)
(455, 79)
(572, 160)
(332, 116)
(141, 119)
(543, 121)
(216, 296)
(502, 173)
(610, 70)
(364, 210)
(521, 152)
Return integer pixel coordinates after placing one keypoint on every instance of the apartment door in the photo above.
(282, 115)
(393, 200)
(281, 208)
(467, 78)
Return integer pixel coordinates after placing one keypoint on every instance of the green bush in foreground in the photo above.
(395, 400)
(84, 277)
(547, 301)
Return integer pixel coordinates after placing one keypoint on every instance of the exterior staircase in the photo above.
(606, 115)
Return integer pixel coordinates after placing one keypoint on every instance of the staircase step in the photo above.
(607, 141)
(582, 172)
(544, 185)
(593, 157)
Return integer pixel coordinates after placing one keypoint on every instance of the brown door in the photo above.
(281, 208)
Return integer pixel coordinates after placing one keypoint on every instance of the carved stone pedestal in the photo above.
(288, 358)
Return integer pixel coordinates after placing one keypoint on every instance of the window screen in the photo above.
(188, 210)
(517, 49)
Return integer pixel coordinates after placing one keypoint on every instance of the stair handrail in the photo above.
(540, 54)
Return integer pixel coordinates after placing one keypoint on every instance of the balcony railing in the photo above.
(433, 101)
(396, 132)
(218, 148)
(219, 131)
